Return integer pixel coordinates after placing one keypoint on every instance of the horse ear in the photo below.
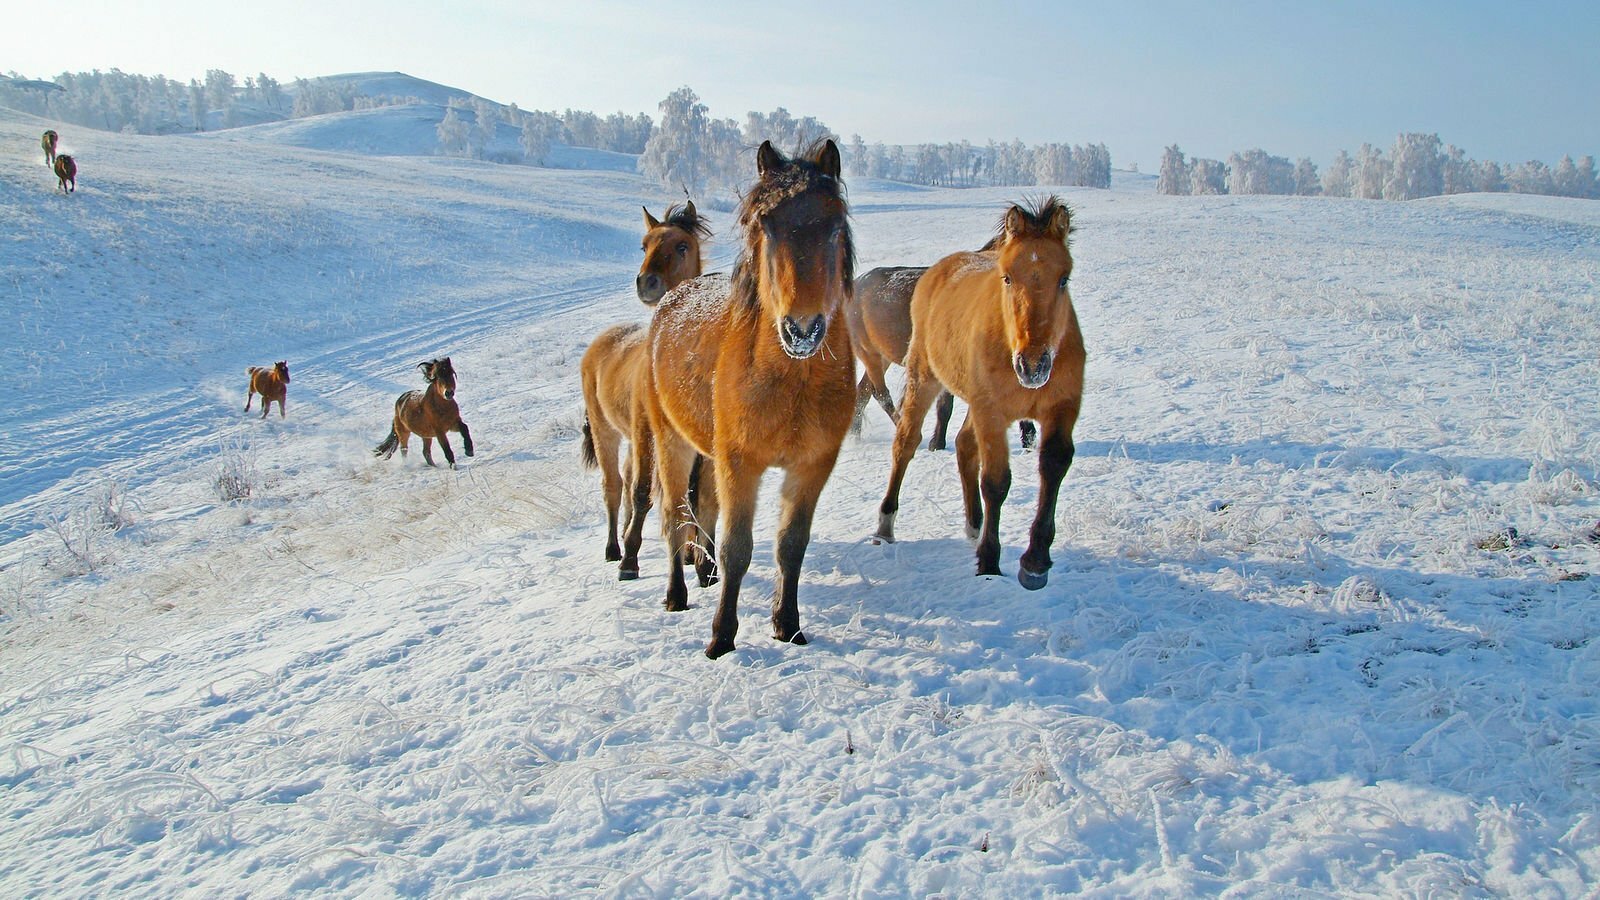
(1061, 222)
(1016, 222)
(688, 207)
(828, 159)
(650, 222)
(768, 159)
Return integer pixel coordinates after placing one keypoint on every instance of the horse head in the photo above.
(1035, 265)
(282, 367)
(441, 376)
(671, 251)
(798, 259)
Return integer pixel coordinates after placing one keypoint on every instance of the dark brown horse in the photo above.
(754, 371)
(48, 142)
(272, 384)
(614, 378)
(66, 172)
(879, 314)
(429, 414)
(997, 328)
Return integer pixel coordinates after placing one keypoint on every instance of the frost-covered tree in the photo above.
(1566, 178)
(1371, 173)
(677, 154)
(1257, 172)
(220, 87)
(1587, 179)
(539, 131)
(1455, 171)
(1092, 166)
(1532, 177)
(270, 91)
(1174, 177)
(1416, 167)
(485, 123)
(1487, 177)
(454, 134)
(1207, 176)
(197, 105)
(1306, 182)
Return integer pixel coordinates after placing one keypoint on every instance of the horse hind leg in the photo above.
(674, 459)
(427, 449)
(967, 466)
(942, 410)
(704, 509)
(249, 396)
(641, 468)
(920, 393)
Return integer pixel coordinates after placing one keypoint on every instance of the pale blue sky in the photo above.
(1505, 81)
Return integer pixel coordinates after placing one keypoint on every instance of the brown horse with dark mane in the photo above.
(997, 328)
(754, 371)
(879, 314)
(614, 379)
(48, 142)
(66, 170)
(272, 384)
(429, 413)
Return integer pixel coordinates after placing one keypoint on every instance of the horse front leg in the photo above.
(967, 465)
(444, 444)
(674, 458)
(466, 437)
(921, 389)
(737, 483)
(641, 466)
(704, 509)
(994, 483)
(801, 487)
(1055, 458)
(283, 407)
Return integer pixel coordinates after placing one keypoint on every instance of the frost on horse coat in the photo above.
(754, 371)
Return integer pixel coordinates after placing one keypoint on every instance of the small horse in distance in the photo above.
(429, 413)
(66, 173)
(998, 329)
(879, 314)
(48, 142)
(272, 384)
(613, 372)
(754, 370)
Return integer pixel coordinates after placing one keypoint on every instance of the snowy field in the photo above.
(1321, 620)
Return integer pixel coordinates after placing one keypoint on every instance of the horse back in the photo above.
(880, 311)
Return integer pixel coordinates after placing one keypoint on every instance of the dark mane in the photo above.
(681, 216)
(798, 176)
(1037, 214)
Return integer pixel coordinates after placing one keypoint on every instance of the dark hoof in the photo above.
(1032, 580)
(675, 605)
(470, 453)
(935, 444)
(991, 570)
(627, 574)
(613, 553)
(799, 637)
(717, 649)
(707, 579)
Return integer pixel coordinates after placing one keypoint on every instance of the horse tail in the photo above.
(590, 460)
(389, 444)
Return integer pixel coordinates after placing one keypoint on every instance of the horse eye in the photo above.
(683, 249)
(1063, 285)
(1006, 279)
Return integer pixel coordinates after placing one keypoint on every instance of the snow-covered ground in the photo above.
(1321, 620)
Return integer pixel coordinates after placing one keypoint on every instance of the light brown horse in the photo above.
(754, 371)
(48, 142)
(614, 378)
(430, 413)
(997, 328)
(272, 384)
(879, 314)
(66, 172)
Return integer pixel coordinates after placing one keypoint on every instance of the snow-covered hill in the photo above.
(1320, 622)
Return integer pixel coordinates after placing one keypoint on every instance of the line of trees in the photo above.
(1418, 165)
(470, 126)
(697, 153)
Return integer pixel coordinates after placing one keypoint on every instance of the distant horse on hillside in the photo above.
(998, 329)
(879, 315)
(614, 378)
(272, 384)
(755, 371)
(429, 413)
(66, 173)
(48, 142)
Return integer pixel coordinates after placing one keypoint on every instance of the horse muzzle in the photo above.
(449, 395)
(801, 338)
(1033, 377)
(650, 288)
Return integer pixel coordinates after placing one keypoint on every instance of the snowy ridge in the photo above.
(1321, 619)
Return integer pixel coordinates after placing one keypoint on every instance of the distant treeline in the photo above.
(702, 154)
(1417, 166)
